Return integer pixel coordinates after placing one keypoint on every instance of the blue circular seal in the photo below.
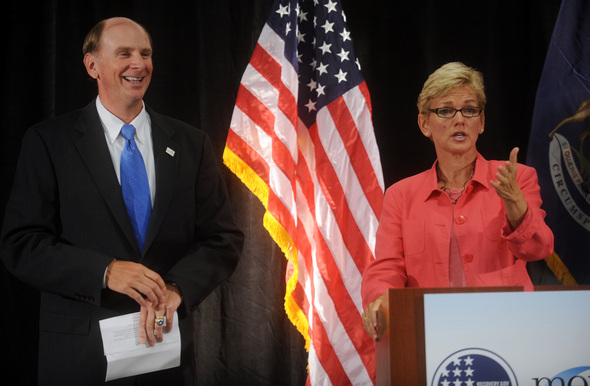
(474, 367)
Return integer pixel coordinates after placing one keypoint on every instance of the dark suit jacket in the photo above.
(66, 221)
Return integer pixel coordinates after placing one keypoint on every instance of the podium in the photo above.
(401, 351)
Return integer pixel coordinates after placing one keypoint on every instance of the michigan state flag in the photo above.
(559, 144)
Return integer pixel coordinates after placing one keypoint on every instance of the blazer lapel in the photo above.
(166, 161)
(93, 150)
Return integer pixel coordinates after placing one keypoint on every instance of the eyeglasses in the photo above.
(449, 112)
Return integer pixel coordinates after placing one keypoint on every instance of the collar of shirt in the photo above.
(480, 177)
(112, 125)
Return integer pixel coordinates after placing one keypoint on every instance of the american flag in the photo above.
(301, 138)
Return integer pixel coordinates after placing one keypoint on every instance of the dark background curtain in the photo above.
(201, 50)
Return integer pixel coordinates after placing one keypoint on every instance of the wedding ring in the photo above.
(159, 320)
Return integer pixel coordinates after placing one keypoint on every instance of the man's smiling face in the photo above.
(122, 66)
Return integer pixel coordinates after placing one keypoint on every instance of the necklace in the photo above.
(449, 191)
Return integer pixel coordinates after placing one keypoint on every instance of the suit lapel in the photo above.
(166, 162)
(93, 150)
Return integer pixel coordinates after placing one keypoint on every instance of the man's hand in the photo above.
(151, 331)
(370, 319)
(135, 280)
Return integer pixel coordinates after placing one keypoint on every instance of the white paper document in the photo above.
(127, 357)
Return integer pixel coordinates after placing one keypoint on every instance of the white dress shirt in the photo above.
(116, 142)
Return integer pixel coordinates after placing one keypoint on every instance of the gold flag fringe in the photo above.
(560, 270)
(278, 233)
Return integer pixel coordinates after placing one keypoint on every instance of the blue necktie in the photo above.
(135, 186)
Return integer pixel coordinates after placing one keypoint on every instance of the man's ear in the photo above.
(90, 64)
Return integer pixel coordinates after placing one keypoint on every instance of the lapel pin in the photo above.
(170, 152)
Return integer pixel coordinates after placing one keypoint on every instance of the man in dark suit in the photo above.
(68, 227)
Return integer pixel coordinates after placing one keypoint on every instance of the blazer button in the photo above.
(460, 219)
(468, 258)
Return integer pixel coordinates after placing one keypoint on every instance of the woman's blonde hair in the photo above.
(448, 77)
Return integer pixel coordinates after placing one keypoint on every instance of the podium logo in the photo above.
(571, 377)
(474, 367)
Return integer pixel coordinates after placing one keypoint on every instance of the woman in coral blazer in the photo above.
(464, 222)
